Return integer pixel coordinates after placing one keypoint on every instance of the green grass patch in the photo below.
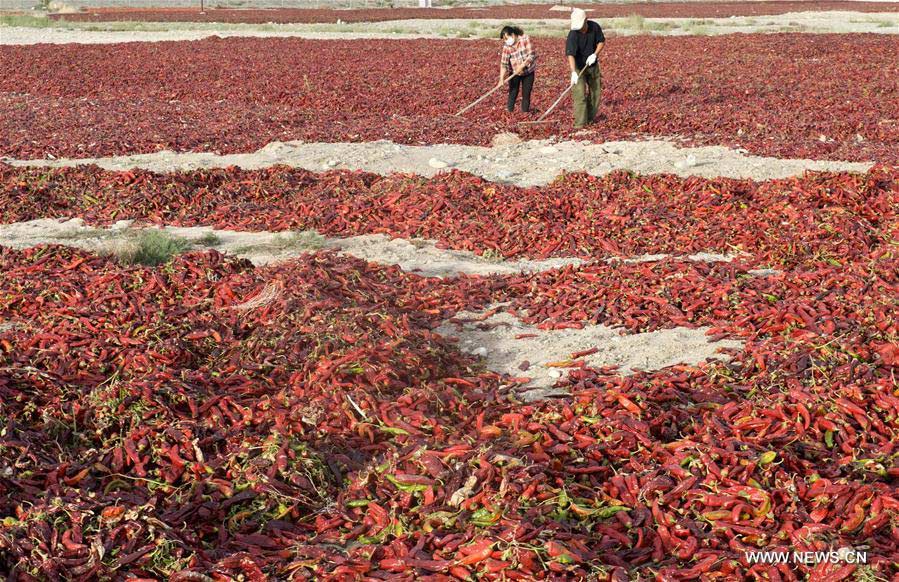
(697, 27)
(26, 21)
(634, 22)
(307, 240)
(210, 239)
(149, 247)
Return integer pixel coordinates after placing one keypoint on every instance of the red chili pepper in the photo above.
(474, 553)
(460, 572)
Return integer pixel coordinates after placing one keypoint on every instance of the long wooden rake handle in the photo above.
(557, 101)
(484, 96)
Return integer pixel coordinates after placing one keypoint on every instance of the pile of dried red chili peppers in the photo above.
(208, 420)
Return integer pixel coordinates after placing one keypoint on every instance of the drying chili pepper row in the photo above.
(822, 300)
(302, 421)
(786, 95)
(151, 414)
(518, 12)
(817, 218)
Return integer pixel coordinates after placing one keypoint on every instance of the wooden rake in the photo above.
(484, 96)
(555, 103)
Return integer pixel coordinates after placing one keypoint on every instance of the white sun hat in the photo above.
(578, 17)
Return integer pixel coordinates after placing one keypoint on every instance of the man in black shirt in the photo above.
(585, 42)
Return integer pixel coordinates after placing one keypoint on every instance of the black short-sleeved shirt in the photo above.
(582, 45)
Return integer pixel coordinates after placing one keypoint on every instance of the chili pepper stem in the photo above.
(356, 406)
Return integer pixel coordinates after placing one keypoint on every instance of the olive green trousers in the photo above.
(586, 95)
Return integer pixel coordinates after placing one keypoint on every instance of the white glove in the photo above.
(574, 77)
(591, 59)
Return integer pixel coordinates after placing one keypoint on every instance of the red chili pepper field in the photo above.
(210, 420)
(785, 95)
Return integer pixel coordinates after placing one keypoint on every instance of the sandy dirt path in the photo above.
(526, 163)
(415, 256)
(106, 33)
(420, 256)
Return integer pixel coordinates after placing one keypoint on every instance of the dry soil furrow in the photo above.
(529, 163)
(418, 256)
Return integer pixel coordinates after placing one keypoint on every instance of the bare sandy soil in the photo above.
(544, 356)
(105, 33)
(418, 256)
(511, 160)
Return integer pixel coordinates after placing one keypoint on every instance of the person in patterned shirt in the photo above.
(519, 60)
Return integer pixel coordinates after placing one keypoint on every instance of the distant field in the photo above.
(525, 11)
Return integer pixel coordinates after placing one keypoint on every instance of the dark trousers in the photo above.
(527, 83)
